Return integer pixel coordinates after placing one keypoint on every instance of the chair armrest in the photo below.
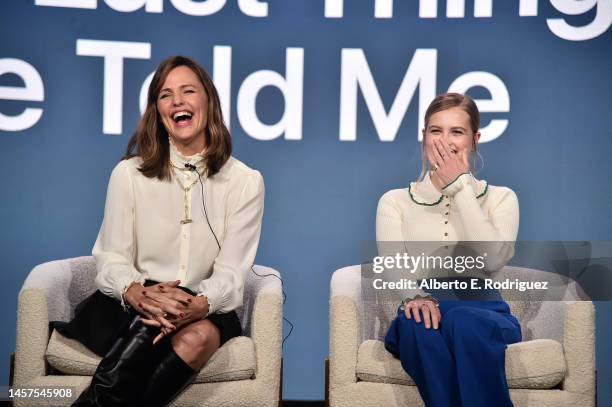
(558, 314)
(45, 296)
(345, 325)
(344, 341)
(32, 336)
(579, 347)
(263, 297)
(572, 323)
(64, 283)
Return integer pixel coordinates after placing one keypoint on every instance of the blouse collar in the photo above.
(425, 193)
(179, 160)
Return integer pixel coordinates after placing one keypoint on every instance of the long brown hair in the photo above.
(447, 101)
(150, 140)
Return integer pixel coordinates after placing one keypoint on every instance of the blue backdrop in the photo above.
(71, 73)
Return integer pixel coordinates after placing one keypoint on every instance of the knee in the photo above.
(409, 327)
(195, 337)
(461, 315)
(463, 324)
(406, 325)
(409, 338)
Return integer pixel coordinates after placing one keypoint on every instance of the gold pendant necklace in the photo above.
(186, 190)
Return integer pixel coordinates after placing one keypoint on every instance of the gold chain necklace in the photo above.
(186, 190)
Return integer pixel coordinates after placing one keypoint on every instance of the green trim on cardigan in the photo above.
(453, 181)
(442, 196)
(423, 203)
(483, 192)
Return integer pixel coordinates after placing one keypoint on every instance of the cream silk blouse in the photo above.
(142, 236)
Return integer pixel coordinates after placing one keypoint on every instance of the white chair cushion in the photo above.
(537, 364)
(235, 360)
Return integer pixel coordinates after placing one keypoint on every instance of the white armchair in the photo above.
(246, 371)
(553, 366)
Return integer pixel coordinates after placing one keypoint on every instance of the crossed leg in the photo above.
(192, 347)
(196, 343)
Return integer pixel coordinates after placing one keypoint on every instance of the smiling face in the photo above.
(452, 127)
(182, 104)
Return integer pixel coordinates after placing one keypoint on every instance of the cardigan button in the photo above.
(446, 234)
(446, 214)
(445, 222)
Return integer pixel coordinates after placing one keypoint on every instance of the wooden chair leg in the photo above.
(280, 387)
(12, 369)
(11, 376)
(326, 382)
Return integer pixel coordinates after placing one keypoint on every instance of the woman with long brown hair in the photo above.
(181, 227)
(453, 350)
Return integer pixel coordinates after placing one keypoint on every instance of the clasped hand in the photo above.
(429, 309)
(166, 306)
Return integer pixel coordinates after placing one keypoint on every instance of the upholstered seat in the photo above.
(554, 365)
(245, 371)
(235, 360)
(537, 364)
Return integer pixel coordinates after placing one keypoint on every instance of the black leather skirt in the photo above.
(100, 320)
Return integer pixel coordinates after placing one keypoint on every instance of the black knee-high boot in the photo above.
(170, 378)
(124, 371)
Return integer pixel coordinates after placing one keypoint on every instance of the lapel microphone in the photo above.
(190, 167)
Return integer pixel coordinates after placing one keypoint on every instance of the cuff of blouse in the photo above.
(208, 301)
(458, 184)
(124, 304)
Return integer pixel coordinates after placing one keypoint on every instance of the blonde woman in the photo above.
(453, 350)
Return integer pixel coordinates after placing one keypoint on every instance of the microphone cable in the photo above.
(192, 167)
